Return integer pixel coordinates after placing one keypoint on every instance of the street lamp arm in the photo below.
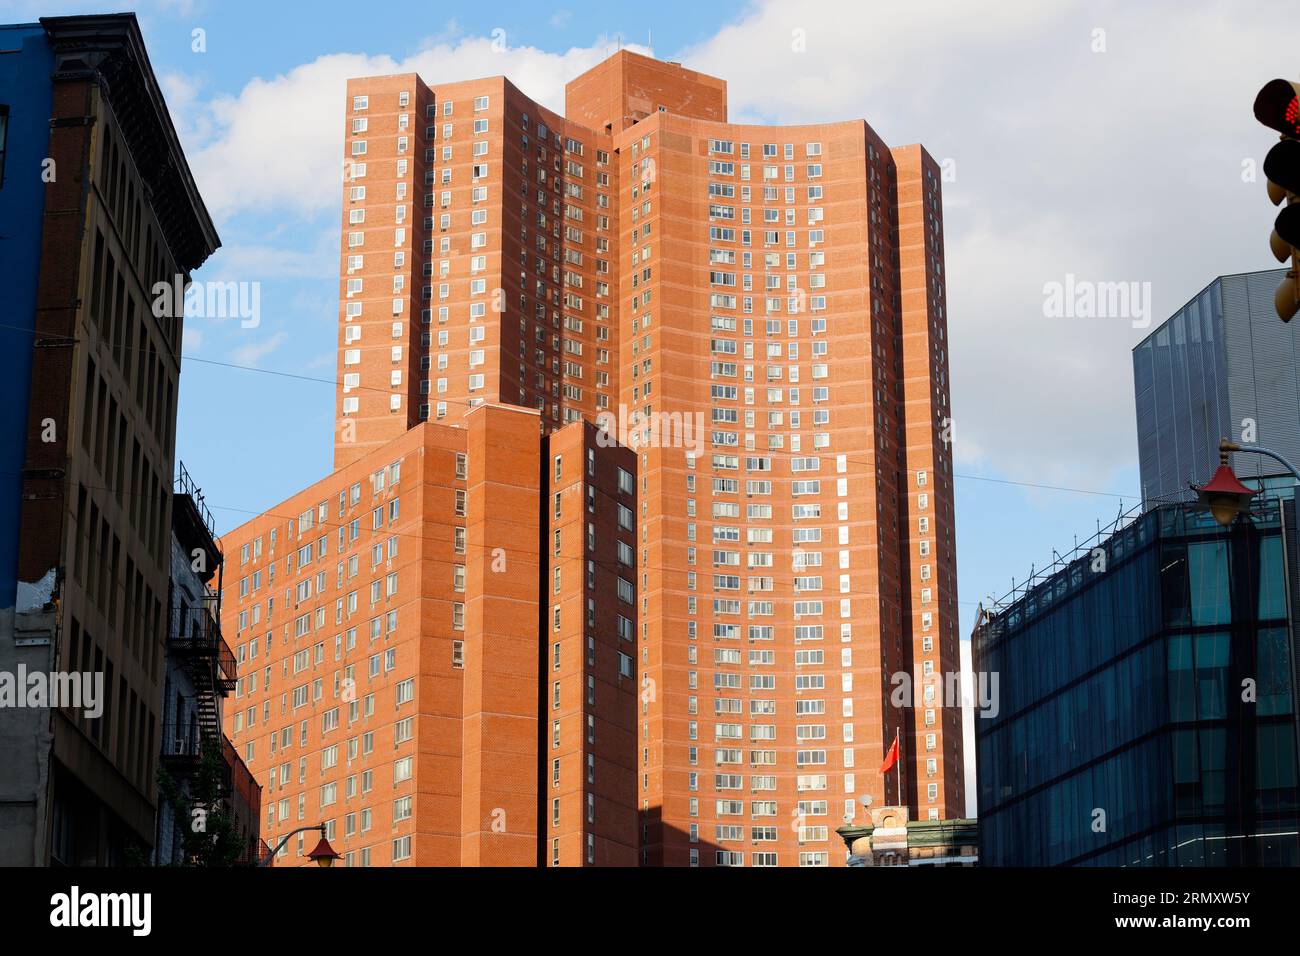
(1226, 446)
(266, 860)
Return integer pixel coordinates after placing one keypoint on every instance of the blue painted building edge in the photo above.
(26, 63)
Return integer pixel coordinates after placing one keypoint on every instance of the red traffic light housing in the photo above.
(1286, 232)
(1282, 167)
(1277, 106)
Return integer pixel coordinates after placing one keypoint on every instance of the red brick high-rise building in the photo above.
(687, 647)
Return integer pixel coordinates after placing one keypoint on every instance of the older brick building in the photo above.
(716, 614)
(97, 206)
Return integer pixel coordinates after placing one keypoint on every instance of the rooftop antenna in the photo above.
(650, 41)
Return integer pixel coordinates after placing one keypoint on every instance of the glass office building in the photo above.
(1147, 700)
(1222, 366)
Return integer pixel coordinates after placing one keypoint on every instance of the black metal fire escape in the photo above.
(194, 636)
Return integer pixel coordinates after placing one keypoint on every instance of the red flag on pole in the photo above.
(891, 757)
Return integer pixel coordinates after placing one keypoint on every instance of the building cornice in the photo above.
(108, 50)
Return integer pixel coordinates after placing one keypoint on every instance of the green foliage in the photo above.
(135, 855)
(210, 831)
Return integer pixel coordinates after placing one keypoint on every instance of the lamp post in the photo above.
(1223, 494)
(1226, 446)
(322, 855)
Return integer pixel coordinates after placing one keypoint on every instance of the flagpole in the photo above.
(899, 766)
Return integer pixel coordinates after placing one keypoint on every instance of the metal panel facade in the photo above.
(1220, 366)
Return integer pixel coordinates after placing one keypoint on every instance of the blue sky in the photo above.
(1050, 140)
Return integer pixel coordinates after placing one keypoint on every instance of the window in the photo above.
(405, 691)
(402, 769)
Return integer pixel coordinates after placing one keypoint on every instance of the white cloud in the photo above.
(1114, 166)
(242, 260)
(278, 144)
(180, 91)
(800, 63)
(253, 353)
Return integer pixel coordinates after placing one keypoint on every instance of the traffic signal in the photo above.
(1277, 106)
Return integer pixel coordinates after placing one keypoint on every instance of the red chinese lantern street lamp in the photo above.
(1224, 495)
(324, 854)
